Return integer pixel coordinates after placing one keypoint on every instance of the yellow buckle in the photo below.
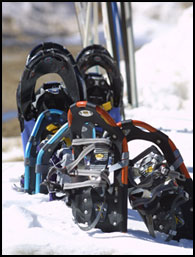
(53, 128)
(107, 106)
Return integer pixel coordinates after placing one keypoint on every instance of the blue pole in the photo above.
(115, 17)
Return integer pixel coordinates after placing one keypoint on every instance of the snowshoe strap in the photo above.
(87, 141)
(121, 164)
(96, 220)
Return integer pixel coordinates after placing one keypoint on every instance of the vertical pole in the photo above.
(116, 21)
(81, 16)
(112, 29)
(87, 24)
(106, 27)
(129, 55)
(95, 22)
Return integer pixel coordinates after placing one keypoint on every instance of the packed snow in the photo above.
(33, 225)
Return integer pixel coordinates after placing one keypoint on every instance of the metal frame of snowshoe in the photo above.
(45, 118)
(44, 155)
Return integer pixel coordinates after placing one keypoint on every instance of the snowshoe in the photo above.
(43, 112)
(94, 181)
(103, 79)
(159, 185)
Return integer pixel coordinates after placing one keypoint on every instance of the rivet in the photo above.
(161, 227)
(114, 136)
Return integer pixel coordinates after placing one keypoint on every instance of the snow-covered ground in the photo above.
(33, 225)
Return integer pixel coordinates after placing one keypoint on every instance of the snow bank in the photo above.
(38, 18)
(165, 68)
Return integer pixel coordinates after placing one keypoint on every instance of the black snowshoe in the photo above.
(160, 187)
(96, 200)
(104, 83)
(43, 112)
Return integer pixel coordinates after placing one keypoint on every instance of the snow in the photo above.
(165, 73)
(32, 225)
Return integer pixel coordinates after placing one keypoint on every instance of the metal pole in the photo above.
(95, 23)
(129, 55)
(106, 27)
(87, 24)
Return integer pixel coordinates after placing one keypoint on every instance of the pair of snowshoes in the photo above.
(78, 148)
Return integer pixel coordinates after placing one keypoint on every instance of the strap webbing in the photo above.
(123, 163)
